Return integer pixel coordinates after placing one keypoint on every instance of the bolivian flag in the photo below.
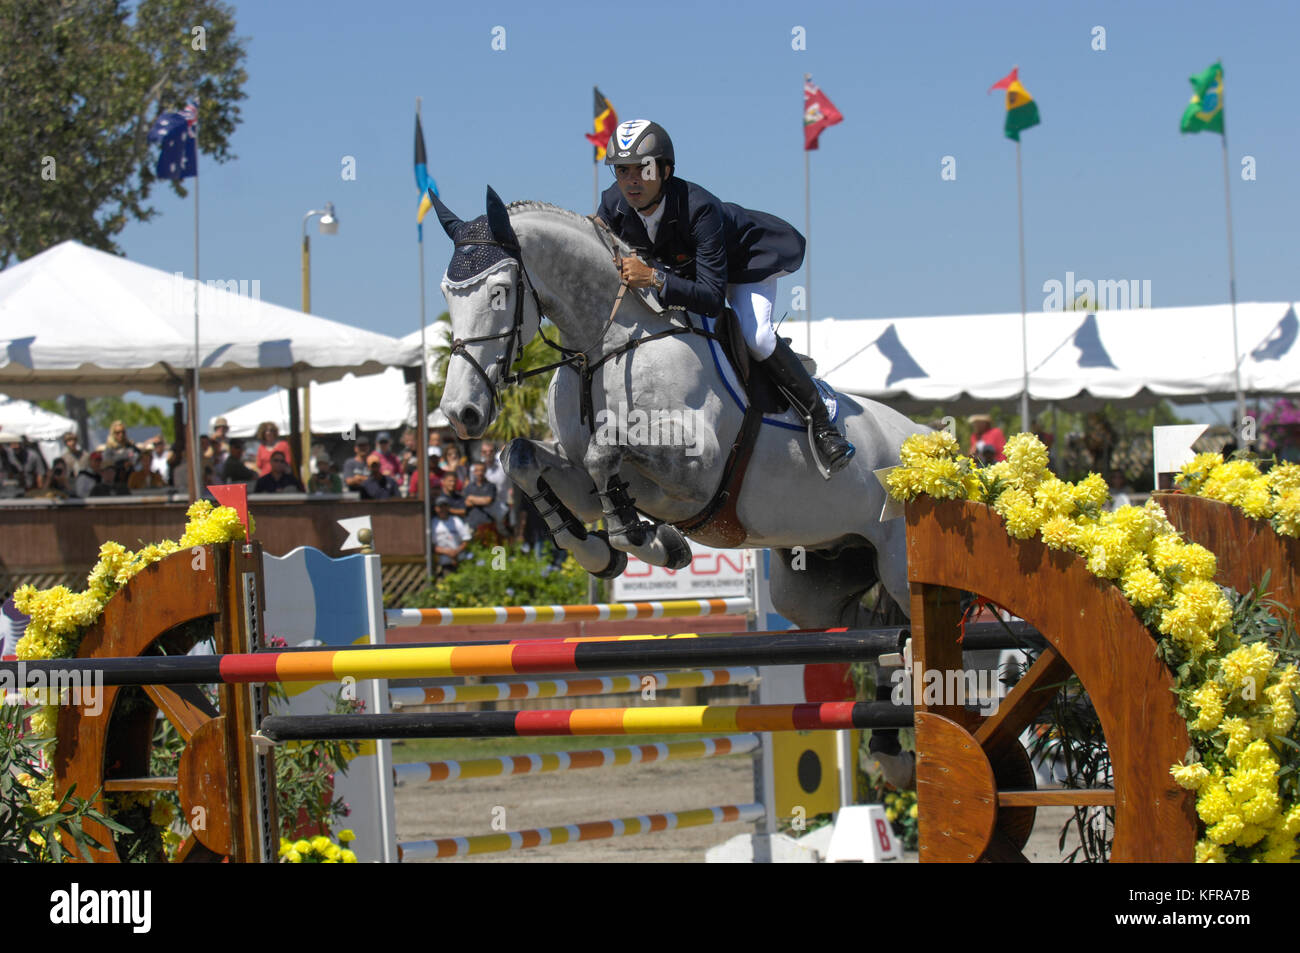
(1205, 112)
(423, 180)
(605, 121)
(1022, 111)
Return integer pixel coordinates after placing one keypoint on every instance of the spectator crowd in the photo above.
(470, 493)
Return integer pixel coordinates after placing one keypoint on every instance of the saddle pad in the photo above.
(789, 419)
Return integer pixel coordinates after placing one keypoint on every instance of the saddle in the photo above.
(718, 524)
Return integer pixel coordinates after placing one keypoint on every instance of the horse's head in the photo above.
(493, 315)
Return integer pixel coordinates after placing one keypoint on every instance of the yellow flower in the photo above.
(1257, 501)
(293, 857)
(1091, 490)
(1142, 587)
(1054, 498)
(1208, 700)
(1193, 475)
(922, 446)
(44, 722)
(1017, 508)
(1284, 476)
(1238, 733)
(1197, 561)
(349, 857)
(1247, 668)
(942, 478)
(1060, 532)
(1027, 456)
(346, 836)
(1210, 853)
(1227, 830)
(1190, 776)
(906, 483)
(1286, 516)
(301, 846)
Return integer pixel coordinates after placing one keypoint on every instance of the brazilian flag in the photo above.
(1022, 111)
(1205, 112)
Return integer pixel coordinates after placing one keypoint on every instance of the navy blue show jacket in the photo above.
(704, 244)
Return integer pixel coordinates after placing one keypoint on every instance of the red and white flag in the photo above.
(818, 113)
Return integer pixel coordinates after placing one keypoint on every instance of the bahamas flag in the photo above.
(423, 180)
(1022, 111)
(1205, 112)
(605, 121)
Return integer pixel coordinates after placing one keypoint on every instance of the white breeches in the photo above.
(753, 303)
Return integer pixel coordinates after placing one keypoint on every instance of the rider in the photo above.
(706, 251)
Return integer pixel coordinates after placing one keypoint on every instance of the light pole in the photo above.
(329, 225)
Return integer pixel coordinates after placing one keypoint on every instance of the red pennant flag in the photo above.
(235, 496)
(1006, 81)
(818, 113)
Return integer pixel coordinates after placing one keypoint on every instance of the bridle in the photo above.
(576, 358)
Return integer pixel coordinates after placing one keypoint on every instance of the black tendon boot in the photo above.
(789, 373)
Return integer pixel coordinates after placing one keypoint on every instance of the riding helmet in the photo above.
(636, 140)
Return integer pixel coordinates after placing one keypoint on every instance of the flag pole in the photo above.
(1024, 321)
(193, 444)
(421, 409)
(595, 184)
(1232, 262)
(807, 233)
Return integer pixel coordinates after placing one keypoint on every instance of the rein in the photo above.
(577, 359)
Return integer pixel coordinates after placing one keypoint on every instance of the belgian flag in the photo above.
(423, 180)
(605, 121)
(1022, 111)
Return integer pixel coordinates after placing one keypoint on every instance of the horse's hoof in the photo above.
(897, 770)
(617, 563)
(675, 546)
(617, 558)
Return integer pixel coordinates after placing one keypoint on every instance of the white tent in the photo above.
(370, 402)
(76, 320)
(1077, 359)
(35, 423)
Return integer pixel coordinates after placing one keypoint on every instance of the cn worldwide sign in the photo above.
(712, 574)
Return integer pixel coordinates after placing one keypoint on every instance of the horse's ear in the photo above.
(450, 222)
(499, 220)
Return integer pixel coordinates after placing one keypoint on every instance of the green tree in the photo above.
(82, 82)
(521, 408)
(102, 411)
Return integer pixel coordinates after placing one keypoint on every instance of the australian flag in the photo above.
(176, 136)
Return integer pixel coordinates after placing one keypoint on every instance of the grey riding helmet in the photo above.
(637, 140)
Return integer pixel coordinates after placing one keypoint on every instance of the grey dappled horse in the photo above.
(512, 262)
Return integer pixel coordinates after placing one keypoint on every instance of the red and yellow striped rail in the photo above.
(682, 720)
(595, 612)
(570, 687)
(427, 772)
(573, 833)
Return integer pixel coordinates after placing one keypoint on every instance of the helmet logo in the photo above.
(628, 131)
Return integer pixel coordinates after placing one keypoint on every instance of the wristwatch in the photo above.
(658, 279)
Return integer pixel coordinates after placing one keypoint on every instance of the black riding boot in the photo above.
(789, 373)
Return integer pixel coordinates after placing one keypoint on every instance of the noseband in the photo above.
(513, 334)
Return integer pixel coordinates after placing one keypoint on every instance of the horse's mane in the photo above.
(530, 205)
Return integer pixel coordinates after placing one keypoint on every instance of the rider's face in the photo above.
(640, 184)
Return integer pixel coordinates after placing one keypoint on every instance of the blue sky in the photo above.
(1112, 189)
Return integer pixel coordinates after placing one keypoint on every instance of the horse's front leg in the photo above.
(658, 544)
(566, 499)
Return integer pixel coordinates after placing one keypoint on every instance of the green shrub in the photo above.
(504, 575)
